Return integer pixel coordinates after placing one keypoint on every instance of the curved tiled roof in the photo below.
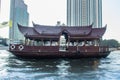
(57, 30)
(97, 32)
(79, 31)
(54, 32)
(47, 30)
(25, 30)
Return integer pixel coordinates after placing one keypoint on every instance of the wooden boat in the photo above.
(60, 42)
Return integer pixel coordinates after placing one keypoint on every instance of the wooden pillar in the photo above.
(42, 42)
(30, 42)
(33, 42)
(59, 42)
(98, 42)
(84, 42)
(68, 42)
(77, 42)
(93, 43)
(25, 41)
(77, 45)
(50, 42)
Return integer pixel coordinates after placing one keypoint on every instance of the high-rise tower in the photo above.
(0, 6)
(84, 12)
(18, 14)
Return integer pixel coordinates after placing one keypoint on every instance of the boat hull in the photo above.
(59, 54)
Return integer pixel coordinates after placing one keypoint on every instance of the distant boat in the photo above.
(43, 41)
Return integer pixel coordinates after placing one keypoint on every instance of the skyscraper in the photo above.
(0, 6)
(18, 14)
(84, 12)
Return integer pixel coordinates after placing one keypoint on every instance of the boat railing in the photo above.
(93, 48)
(56, 48)
(88, 48)
(22, 47)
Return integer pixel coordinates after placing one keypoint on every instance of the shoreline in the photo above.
(4, 47)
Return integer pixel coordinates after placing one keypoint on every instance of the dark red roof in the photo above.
(54, 32)
(27, 30)
(57, 30)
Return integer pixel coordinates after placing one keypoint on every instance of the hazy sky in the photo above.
(48, 12)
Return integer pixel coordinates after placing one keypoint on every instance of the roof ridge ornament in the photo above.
(92, 23)
(106, 25)
(33, 23)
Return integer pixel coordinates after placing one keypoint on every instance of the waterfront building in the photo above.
(18, 14)
(84, 12)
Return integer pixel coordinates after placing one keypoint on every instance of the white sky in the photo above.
(48, 12)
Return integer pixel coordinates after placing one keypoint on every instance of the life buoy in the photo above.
(21, 47)
(12, 46)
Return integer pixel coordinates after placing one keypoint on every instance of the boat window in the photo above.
(54, 43)
(47, 43)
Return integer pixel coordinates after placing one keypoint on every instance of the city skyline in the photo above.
(111, 14)
(84, 12)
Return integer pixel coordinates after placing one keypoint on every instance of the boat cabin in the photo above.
(62, 36)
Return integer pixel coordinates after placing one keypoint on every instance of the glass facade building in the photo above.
(84, 12)
(0, 6)
(18, 15)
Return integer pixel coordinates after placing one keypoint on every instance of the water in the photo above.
(12, 68)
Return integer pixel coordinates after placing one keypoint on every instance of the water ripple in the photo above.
(13, 68)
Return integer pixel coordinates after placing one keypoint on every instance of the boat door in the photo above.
(63, 41)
